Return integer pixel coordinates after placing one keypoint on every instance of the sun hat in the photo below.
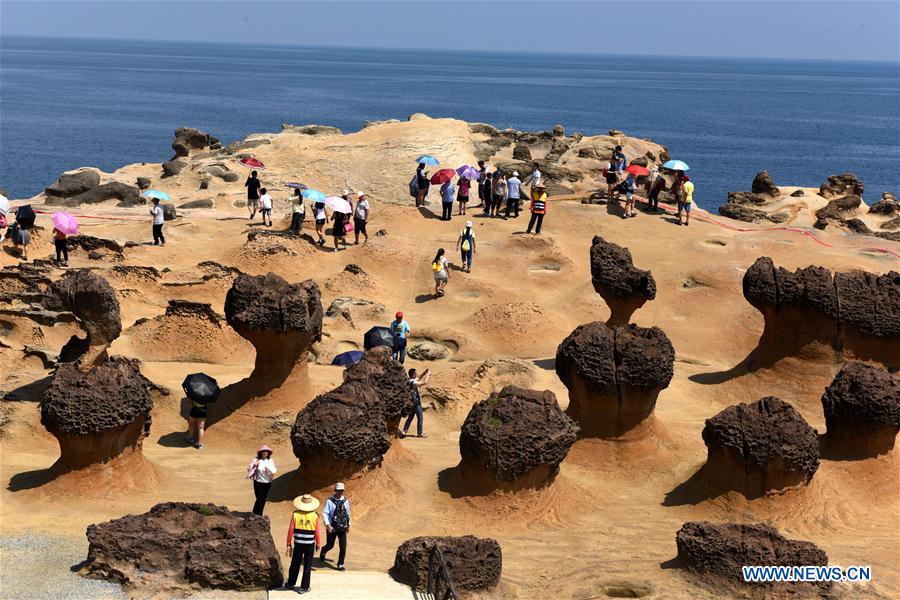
(265, 448)
(539, 186)
(360, 194)
(399, 314)
(306, 503)
(515, 173)
(339, 487)
(468, 223)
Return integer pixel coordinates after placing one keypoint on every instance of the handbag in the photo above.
(251, 470)
(348, 227)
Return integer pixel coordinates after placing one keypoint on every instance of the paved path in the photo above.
(328, 584)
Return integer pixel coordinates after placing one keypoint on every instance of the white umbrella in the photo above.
(4, 204)
(338, 204)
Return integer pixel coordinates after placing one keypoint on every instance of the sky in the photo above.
(808, 29)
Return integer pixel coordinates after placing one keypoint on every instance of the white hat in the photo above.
(515, 173)
(339, 487)
(345, 193)
(468, 223)
(360, 194)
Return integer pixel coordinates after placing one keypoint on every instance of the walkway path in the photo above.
(328, 584)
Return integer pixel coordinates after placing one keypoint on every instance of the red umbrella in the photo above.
(253, 163)
(637, 170)
(443, 176)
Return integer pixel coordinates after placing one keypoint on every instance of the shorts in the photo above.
(462, 199)
(320, 221)
(198, 413)
(266, 211)
(684, 206)
(611, 178)
(359, 225)
(629, 196)
(439, 277)
(253, 202)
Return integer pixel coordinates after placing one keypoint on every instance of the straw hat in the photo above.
(306, 503)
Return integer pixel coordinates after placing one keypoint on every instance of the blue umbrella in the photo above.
(313, 195)
(155, 194)
(345, 359)
(428, 160)
(676, 165)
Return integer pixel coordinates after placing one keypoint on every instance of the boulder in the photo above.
(624, 287)
(887, 205)
(184, 546)
(559, 131)
(312, 129)
(428, 351)
(93, 301)
(841, 185)
(762, 446)
(169, 212)
(202, 203)
(798, 194)
(763, 184)
(221, 171)
(127, 195)
(188, 138)
(515, 439)
(614, 375)
(72, 184)
(522, 152)
(388, 379)
(745, 206)
(742, 212)
(143, 183)
(474, 563)
(97, 415)
(862, 412)
(836, 211)
(173, 167)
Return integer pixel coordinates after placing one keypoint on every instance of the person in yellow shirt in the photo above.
(687, 200)
(303, 541)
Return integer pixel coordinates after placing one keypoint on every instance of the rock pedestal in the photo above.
(623, 287)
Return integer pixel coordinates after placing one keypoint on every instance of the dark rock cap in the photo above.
(612, 269)
(90, 297)
(387, 378)
(269, 303)
(763, 184)
(474, 563)
(841, 185)
(865, 393)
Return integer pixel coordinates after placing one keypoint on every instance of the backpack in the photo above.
(414, 186)
(340, 520)
(435, 266)
(466, 244)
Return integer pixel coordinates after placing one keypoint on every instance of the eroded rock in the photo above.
(73, 184)
(624, 287)
(763, 184)
(474, 563)
(127, 195)
(188, 139)
(841, 185)
(93, 301)
(836, 211)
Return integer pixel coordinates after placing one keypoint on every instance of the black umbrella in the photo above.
(201, 388)
(25, 216)
(345, 359)
(378, 336)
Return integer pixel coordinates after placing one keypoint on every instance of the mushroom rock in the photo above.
(93, 301)
(188, 138)
(762, 446)
(841, 185)
(763, 184)
(474, 563)
(836, 211)
(388, 380)
(515, 439)
(721, 549)
(99, 414)
(184, 546)
(862, 412)
(856, 313)
(623, 287)
(614, 375)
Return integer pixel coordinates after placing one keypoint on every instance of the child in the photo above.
(319, 214)
(62, 250)
(265, 203)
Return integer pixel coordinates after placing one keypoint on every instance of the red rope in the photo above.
(44, 212)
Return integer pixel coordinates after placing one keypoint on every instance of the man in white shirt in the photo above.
(513, 185)
(536, 177)
(361, 217)
(336, 515)
(159, 217)
(265, 203)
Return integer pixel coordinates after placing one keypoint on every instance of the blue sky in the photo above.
(748, 28)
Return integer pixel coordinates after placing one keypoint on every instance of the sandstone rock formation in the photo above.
(624, 287)
(836, 211)
(180, 546)
(762, 446)
(127, 195)
(841, 185)
(887, 205)
(474, 563)
(388, 379)
(856, 313)
(97, 415)
(93, 301)
(746, 206)
(72, 184)
(614, 375)
(513, 440)
(188, 138)
(173, 167)
(862, 412)
(763, 184)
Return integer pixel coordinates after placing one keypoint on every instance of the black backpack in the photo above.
(340, 520)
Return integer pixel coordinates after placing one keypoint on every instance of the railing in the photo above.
(440, 586)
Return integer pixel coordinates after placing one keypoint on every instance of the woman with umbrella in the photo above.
(422, 180)
(340, 217)
(64, 225)
(201, 389)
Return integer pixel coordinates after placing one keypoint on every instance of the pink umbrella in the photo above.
(338, 204)
(253, 163)
(467, 172)
(65, 223)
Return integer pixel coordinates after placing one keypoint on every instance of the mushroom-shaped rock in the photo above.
(93, 301)
(188, 138)
(474, 563)
(97, 415)
(623, 287)
(763, 184)
(841, 185)
(183, 546)
(721, 549)
(862, 412)
(614, 375)
(761, 446)
(388, 380)
(514, 439)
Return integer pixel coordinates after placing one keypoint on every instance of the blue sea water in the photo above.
(70, 103)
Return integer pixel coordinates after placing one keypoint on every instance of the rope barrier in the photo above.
(82, 216)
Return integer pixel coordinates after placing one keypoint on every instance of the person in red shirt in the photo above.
(303, 541)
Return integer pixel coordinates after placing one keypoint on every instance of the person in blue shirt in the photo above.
(400, 329)
(336, 516)
(448, 196)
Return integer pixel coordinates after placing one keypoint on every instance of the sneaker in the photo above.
(401, 434)
(341, 568)
(303, 590)
(198, 446)
(189, 440)
(424, 435)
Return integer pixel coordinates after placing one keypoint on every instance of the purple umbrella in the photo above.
(295, 185)
(467, 172)
(65, 223)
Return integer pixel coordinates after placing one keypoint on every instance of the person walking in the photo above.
(159, 217)
(261, 471)
(303, 540)
(687, 200)
(448, 196)
(400, 330)
(538, 208)
(656, 184)
(466, 245)
(422, 184)
(441, 273)
(500, 192)
(265, 207)
(338, 219)
(361, 217)
(630, 185)
(336, 516)
(414, 384)
(196, 424)
(513, 187)
(298, 213)
(62, 248)
(463, 195)
(253, 185)
(321, 218)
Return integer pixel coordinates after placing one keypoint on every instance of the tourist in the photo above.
(265, 204)
(62, 249)
(656, 184)
(619, 159)
(499, 193)
(361, 217)
(298, 213)
(463, 195)
(414, 385)
(629, 185)
(536, 177)
(196, 424)
(448, 196)
(485, 191)
(159, 217)
(336, 515)
(400, 330)
(466, 244)
(252, 184)
(538, 208)
(4, 224)
(321, 218)
(513, 186)
(677, 189)
(441, 272)
(303, 540)
(611, 175)
(483, 179)
(338, 231)
(261, 471)
(422, 184)
(687, 200)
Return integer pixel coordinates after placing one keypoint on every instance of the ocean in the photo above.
(71, 103)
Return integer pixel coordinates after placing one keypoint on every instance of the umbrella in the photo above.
(156, 194)
(201, 388)
(4, 204)
(253, 163)
(378, 336)
(637, 170)
(313, 195)
(428, 160)
(295, 185)
(443, 176)
(676, 165)
(65, 223)
(338, 204)
(345, 359)
(468, 172)
(25, 216)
